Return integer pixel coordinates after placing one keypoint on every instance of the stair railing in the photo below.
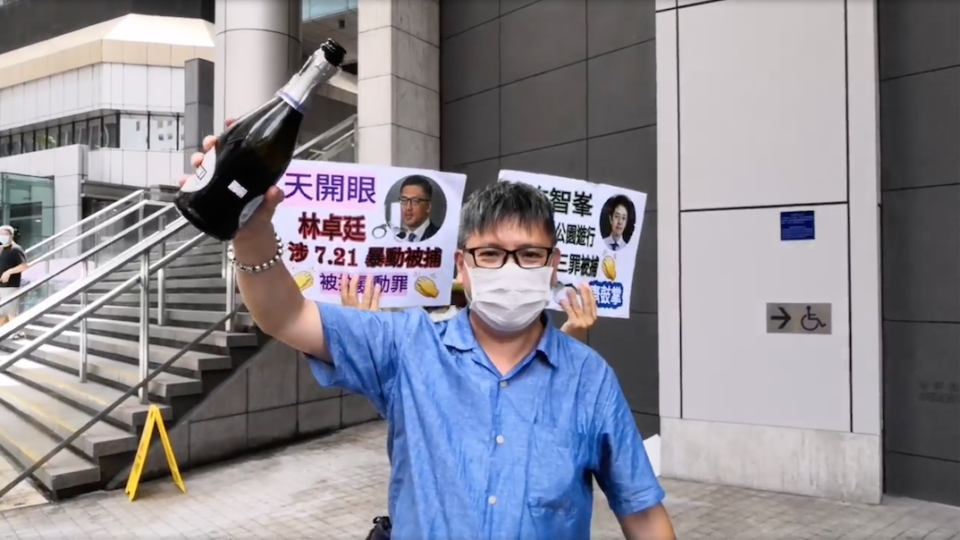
(330, 143)
(140, 252)
(92, 218)
(89, 254)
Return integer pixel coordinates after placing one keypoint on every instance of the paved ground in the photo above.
(22, 496)
(331, 488)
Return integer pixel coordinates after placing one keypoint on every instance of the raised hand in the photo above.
(581, 311)
(369, 301)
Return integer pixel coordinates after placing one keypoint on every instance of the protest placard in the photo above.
(598, 233)
(397, 225)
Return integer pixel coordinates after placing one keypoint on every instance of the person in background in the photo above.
(13, 262)
(416, 192)
(500, 422)
(581, 315)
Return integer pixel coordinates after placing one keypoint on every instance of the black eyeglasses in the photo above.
(405, 201)
(527, 257)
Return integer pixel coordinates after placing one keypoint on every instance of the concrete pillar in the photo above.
(258, 49)
(198, 107)
(398, 102)
(771, 108)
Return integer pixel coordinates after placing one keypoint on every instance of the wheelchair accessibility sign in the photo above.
(799, 319)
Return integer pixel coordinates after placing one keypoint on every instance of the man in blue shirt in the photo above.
(499, 422)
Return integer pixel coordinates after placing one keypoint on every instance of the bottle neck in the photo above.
(316, 72)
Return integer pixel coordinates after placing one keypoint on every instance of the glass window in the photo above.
(28, 206)
(163, 132)
(16, 144)
(40, 136)
(82, 134)
(5, 146)
(95, 130)
(28, 142)
(66, 135)
(111, 138)
(52, 137)
(133, 132)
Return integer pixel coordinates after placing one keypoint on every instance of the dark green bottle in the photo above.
(253, 153)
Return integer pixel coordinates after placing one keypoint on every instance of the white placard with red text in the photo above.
(598, 233)
(349, 218)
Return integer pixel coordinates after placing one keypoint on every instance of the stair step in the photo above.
(165, 385)
(89, 395)
(172, 284)
(193, 299)
(209, 270)
(64, 420)
(183, 261)
(173, 316)
(213, 248)
(171, 333)
(191, 361)
(27, 443)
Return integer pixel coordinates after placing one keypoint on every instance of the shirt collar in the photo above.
(459, 335)
(419, 231)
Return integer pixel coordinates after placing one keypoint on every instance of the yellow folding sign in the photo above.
(153, 419)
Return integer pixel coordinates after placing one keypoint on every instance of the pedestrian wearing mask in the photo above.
(499, 421)
(13, 262)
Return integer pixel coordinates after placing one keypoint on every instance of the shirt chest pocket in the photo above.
(557, 473)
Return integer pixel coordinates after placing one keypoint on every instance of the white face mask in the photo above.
(4, 240)
(509, 298)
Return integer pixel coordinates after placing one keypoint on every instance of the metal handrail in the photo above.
(328, 134)
(23, 291)
(128, 256)
(139, 206)
(93, 217)
(334, 148)
(140, 387)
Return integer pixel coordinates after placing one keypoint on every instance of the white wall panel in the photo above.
(43, 98)
(92, 88)
(733, 371)
(133, 81)
(134, 167)
(762, 103)
(71, 90)
(668, 224)
(29, 101)
(159, 89)
(57, 97)
(88, 86)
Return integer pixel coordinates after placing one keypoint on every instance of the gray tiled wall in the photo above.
(565, 87)
(920, 138)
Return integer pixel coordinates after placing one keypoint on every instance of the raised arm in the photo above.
(353, 349)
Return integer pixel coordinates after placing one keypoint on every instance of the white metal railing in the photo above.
(136, 195)
(331, 143)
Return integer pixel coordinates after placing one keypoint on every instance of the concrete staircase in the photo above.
(42, 400)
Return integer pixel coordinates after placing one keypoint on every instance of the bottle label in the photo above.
(249, 209)
(201, 178)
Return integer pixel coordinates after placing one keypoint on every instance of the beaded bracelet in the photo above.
(257, 268)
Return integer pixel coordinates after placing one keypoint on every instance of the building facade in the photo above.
(732, 115)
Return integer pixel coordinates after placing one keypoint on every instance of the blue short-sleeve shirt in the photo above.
(476, 454)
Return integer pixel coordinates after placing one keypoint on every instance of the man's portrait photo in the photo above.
(422, 207)
(618, 219)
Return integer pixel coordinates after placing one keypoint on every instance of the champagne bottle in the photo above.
(253, 153)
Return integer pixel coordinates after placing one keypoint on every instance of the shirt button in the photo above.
(503, 384)
(500, 439)
(492, 500)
